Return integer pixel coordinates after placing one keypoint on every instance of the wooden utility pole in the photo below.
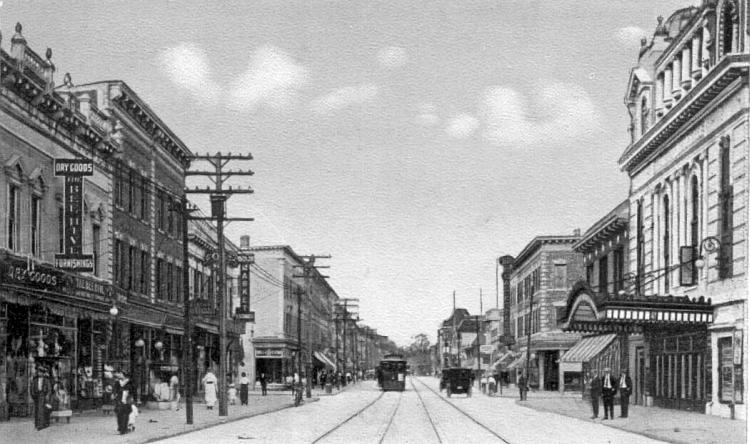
(344, 305)
(218, 196)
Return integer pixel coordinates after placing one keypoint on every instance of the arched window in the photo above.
(666, 243)
(729, 25)
(644, 115)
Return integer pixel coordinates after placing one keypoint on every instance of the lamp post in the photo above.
(140, 344)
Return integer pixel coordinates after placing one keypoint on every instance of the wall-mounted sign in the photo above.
(73, 258)
(244, 288)
(269, 353)
(17, 272)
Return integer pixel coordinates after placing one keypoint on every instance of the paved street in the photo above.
(418, 415)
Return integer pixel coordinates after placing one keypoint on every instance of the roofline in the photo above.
(288, 249)
(537, 242)
(604, 223)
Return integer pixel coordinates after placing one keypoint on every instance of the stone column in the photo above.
(687, 80)
(677, 77)
(659, 95)
(668, 87)
(696, 55)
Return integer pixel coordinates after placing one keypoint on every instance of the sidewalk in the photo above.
(676, 426)
(94, 427)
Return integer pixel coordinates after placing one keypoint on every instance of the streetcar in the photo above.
(392, 373)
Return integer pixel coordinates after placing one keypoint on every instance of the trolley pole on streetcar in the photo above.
(218, 196)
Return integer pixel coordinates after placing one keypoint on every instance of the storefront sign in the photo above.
(244, 288)
(17, 272)
(269, 353)
(93, 290)
(73, 258)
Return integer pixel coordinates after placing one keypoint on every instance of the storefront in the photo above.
(662, 342)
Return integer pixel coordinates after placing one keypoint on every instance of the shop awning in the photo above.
(588, 348)
(324, 360)
(207, 327)
(503, 361)
(520, 362)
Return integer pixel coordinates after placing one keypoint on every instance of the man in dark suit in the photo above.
(596, 392)
(625, 386)
(123, 392)
(609, 388)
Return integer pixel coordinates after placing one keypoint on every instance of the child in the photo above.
(232, 394)
(131, 417)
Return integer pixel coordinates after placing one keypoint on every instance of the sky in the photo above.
(414, 142)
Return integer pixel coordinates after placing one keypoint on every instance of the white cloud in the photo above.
(392, 57)
(462, 126)
(272, 79)
(344, 97)
(427, 116)
(630, 35)
(556, 114)
(187, 66)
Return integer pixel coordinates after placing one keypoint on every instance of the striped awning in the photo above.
(503, 361)
(324, 360)
(588, 348)
(520, 362)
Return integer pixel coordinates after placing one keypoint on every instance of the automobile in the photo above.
(457, 380)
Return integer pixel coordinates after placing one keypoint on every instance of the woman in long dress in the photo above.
(209, 387)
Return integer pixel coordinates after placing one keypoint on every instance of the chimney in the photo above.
(577, 232)
(245, 242)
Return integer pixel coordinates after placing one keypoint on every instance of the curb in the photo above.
(239, 418)
(610, 425)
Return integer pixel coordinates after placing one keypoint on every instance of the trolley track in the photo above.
(358, 413)
(460, 410)
(427, 412)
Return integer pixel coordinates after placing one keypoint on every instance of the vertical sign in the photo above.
(243, 311)
(73, 258)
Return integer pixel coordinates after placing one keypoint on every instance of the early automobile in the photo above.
(457, 380)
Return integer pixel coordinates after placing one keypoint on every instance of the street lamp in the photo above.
(709, 245)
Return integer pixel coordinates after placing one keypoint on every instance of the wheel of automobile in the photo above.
(448, 391)
(468, 393)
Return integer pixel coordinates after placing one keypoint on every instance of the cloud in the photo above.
(392, 57)
(344, 97)
(557, 113)
(272, 79)
(462, 126)
(187, 66)
(427, 116)
(630, 35)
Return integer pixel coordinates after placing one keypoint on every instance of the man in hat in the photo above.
(626, 388)
(609, 388)
(123, 393)
(41, 389)
(596, 392)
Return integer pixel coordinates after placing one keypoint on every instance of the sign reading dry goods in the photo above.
(17, 272)
(73, 258)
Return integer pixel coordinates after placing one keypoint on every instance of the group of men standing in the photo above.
(607, 386)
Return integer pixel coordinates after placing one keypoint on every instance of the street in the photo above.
(364, 414)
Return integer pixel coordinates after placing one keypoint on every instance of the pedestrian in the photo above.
(523, 386)
(210, 390)
(123, 394)
(232, 394)
(626, 387)
(609, 388)
(174, 391)
(596, 391)
(492, 385)
(244, 387)
(263, 384)
(41, 391)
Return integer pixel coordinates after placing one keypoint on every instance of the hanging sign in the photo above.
(73, 258)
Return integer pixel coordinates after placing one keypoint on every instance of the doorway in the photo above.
(640, 376)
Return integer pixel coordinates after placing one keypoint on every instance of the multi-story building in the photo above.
(687, 163)
(49, 315)
(276, 287)
(603, 247)
(540, 280)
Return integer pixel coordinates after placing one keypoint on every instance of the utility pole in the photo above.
(345, 303)
(187, 365)
(308, 266)
(218, 196)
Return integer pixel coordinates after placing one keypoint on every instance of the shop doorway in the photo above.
(640, 377)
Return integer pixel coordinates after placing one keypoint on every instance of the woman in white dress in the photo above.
(210, 389)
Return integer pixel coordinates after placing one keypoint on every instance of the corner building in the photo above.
(687, 162)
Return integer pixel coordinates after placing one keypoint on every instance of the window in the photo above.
(132, 257)
(666, 244)
(644, 115)
(561, 272)
(170, 214)
(131, 192)
(639, 248)
(170, 283)
(178, 284)
(118, 185)
(730, 375)
(618, 268)
(726, 207)
(603, 275)
(143, 212)
(729, 27)
(13, 217)
(159, 210)
(117, 262)
(95, 247)
(61, 229)
(589, 273)
(144, 272)
(159, 278)
(36, 222)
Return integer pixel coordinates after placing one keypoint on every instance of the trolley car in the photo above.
(392, 373)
